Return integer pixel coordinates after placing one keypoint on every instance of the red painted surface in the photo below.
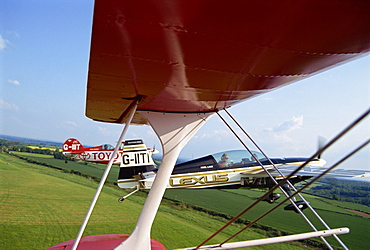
(204, 55)
(101, 242)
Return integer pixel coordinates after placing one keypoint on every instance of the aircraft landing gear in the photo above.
(301, 205)
(298, 205)
(272, 198)
(124, 197)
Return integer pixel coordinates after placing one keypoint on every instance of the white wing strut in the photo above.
(104, 177)
(281, 239)
(174, 130)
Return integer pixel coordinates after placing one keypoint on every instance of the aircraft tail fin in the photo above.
(136, 160)
(72, 146)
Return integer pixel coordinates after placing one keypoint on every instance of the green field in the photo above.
(41, 207)
(43, 201)
(333, 212)
(93, 169)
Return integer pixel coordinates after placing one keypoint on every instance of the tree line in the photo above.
(336, 189)
(7, 146)
(353, 191)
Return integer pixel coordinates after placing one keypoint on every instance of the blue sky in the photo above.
(44, 51)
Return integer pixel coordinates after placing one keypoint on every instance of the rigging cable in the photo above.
(271, 177)
(290, 185)
(300, 190)
(318, 152)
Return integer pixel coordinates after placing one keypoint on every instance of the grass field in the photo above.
(41, 207)
(93, 169)
(334, 213)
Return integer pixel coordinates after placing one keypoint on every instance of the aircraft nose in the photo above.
(322, 162)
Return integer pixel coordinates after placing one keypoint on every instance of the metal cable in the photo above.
(318, 152)
(271, 177)
(300, 190)
(290, 185)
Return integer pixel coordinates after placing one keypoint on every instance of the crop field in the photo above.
(330, 210)
(42, 206)
(93, 169)
(334, 213)
(52, 148)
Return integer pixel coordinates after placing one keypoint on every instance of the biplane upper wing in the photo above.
(202, 56)
(195, 57)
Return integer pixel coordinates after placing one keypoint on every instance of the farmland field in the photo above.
(52, 148)
(334, 213)
(42, 206)
(93, 169)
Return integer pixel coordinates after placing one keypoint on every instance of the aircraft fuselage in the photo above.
(249, 175)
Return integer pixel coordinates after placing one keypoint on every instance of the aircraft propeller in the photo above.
(321, 141)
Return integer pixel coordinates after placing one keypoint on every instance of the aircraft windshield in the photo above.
(107, 146)
(229, 158)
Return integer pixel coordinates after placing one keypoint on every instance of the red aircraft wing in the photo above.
(205, 55)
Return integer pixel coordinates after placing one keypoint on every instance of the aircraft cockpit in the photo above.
(226, 159)
(107, 147)
(237, 158)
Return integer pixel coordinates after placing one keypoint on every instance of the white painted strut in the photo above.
(104, 177)
(281, 239)
(174, 130)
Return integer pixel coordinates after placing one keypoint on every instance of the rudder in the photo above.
(73, 146)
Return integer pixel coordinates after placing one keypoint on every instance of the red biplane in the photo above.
(173, 64)
(72, 148)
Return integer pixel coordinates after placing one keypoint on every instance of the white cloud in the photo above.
(102, 130)
(288, 125)
(151, 134)
(13, 34)
(3, 43)
(72, 123)
(142, 133)
(106, 132)
(281, 138)
(15, 120)
(7, 106)
(15, 82)
(215, 133)
(278, 136)
(268, 99)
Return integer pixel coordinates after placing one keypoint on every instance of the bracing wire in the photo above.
(300, 190)
(291, 186)
(318, 152)
(271, 177)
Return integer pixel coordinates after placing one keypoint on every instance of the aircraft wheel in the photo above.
(300, 204)
(272, 198)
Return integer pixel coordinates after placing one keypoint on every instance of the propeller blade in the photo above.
(320, 144)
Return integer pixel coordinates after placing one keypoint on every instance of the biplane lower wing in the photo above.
(317, 171)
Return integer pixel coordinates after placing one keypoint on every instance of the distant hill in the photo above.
(30, 141)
